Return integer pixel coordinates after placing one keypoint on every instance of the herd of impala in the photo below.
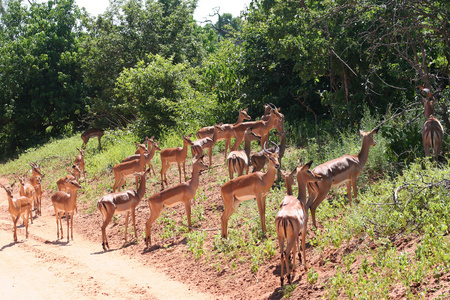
(291, 220)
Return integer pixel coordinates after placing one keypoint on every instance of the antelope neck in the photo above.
(364, 153)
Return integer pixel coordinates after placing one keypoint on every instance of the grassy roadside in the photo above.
(378, 225)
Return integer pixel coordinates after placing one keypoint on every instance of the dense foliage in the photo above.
(147, 68)
(150, 66)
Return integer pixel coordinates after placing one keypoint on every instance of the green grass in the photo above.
(422, 209)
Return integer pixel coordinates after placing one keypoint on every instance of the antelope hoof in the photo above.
(282, 282)
(289, 279)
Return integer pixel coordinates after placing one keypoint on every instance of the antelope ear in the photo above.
(361, 133)
(309, 164)
(317, 175)
(305, 166)
(294, 171)
(375, 130)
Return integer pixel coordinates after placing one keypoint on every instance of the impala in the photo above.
(199, 145)
(65, 203)
(148, 142)
(293, 218)
(258, 160)
(35, 181)
(182, 193)
(64, 182)
(147, 156)
(344, 169)
(174, 156)
(121, 203)
(260, 128)
(91, 133)
(267, 109)
(27, 190)
(79, 161)
(124, 170)
(227, 132)
(289, 181)
(39, 194)
(238, 160)
(432, 130)
(246, 187)
(18, 207)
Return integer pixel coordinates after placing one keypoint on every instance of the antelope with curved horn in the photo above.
(292, 218)
(260, 128)
(344, 169)
(246, 187)
(238, 161)
(432, 130)
(227, 132)
(18, 207)
(174, 156)
(121, 203)
(65, 203)
(198, 146)
(125, 170)
(181, 193)
(258, 160)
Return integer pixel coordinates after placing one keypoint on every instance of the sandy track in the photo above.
(45, 268)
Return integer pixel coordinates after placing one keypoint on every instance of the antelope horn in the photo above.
(278, 148)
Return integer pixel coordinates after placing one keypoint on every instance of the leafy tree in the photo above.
(334, 57)
(220, 79)
(160, 95)
(40, 82)
(126, 34)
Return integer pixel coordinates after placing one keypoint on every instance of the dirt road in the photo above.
(45, 268)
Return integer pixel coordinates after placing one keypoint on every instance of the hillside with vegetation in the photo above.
(334, 68)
